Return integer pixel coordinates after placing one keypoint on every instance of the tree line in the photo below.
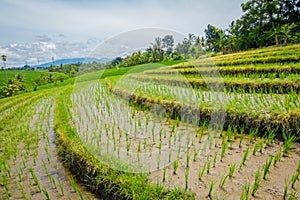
(263, 23)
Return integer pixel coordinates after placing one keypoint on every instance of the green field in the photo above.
(191, 130)
(29, 76)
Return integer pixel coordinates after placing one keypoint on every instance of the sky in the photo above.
(34, 31)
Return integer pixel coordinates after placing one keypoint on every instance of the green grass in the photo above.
(29, 76)
(284, 54)
(273, 70)
(242, 85)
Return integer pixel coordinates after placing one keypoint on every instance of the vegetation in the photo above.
(263, 23)
(129, 128)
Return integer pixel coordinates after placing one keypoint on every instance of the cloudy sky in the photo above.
(34, 31)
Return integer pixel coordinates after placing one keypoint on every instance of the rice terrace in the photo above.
(214, 117)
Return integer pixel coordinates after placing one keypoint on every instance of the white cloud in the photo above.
(38, 52)
(64, 25)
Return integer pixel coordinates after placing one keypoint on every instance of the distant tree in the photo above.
(215, 38)
(263, 23)
(116, 61)
(168, 43)
(183, 47)
(157, 47)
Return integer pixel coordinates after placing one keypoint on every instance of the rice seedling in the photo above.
(35, 179)
(257, 182)
(128, 144)
(52, 181)
(196, 152)
(277, 157)
(145, 143)
(241, 139)
(211, 142)
(235, 132)
(5, 185)
(223, 180)
(20, 172)
(293, 195)
(267, 167)
(229, 134)
(164, 173)
(255, 149)
(258, 146)
(175, 138)
(175, 166)
(7, 168)
(289, 140)
(186, 175)
(73, 184)
(245, 192)
(46, 194)
(210, 190)
(252, 135)
(45, 169)
(200, 134)
(295, 177)
(223, 151)
(208, 165)
(158, 159)
(188, 157)
(245, 156)
(23, 193)
(201, 171)
(232, 168)
(61, 188)
(215, 159)
(286, 188)
(170, 156)
(79, 193)
(270, 138)
(159, 147)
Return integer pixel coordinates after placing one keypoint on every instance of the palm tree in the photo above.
(157, 47)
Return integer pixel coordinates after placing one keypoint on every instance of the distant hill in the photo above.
(72, 61)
